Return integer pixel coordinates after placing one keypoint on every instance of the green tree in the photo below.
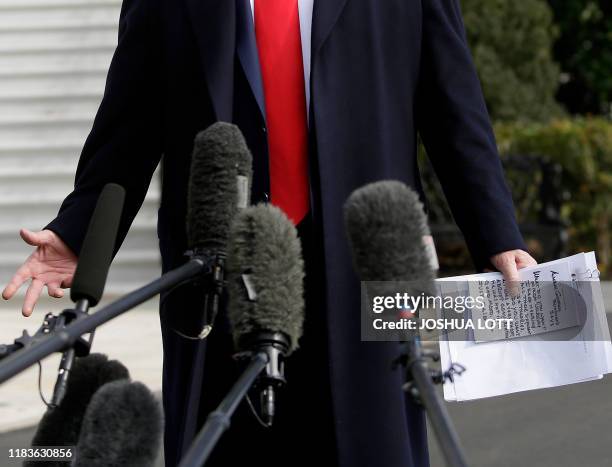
(512, 46)
(584, 50)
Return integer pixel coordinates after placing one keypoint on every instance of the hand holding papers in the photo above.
(544, 303)
(558, 334)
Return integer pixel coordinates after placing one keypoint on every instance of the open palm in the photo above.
(52, 265)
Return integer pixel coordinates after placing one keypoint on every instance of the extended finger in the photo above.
(32, 296)
(55, 290)
(16, 282)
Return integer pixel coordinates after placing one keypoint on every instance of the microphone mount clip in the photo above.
(274, 345)
(51, 324)
(410, 358)
(213, 282)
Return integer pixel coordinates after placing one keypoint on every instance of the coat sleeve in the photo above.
(455, 127)
(124, 145)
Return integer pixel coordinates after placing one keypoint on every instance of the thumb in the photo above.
(507, 266)
(32, 238)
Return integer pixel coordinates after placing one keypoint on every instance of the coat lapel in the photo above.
(246, 47)
(214, 25)
(324, 17)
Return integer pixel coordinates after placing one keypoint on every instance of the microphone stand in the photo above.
(420, 385)
(214, 285)
(65, 366)
(49, 340)
(52, 325)
(267, 358)
(219, 420)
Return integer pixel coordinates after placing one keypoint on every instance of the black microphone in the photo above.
(219, 185)
(98, 246)
(266, 292)
(386, 226)
(122, 427)
(91, 272)
(60, 426)
(388, 233)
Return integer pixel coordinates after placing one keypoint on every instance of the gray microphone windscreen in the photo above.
(386, 224)
(122, 426)
(219, 184)
(61, 425)
(265, 275)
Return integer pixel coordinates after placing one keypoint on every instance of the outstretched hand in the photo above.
(52, 264)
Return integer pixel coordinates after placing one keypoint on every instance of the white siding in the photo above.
(54, 55)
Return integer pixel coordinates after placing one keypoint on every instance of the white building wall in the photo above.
(54, 55)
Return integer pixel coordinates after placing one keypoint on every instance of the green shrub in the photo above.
(512, 42)
(583, 148)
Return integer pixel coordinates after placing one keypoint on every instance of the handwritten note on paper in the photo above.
(541, 306)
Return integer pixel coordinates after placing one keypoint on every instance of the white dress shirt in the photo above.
(305, 11)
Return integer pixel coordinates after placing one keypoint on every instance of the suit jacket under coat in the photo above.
(382, 70)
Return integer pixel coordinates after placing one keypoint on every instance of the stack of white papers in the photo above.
(502, 365)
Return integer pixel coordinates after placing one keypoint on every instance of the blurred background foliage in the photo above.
(584, 48)
(546, 72)
(512, 43)
(581, 150)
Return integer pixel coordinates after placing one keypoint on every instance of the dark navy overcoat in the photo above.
(382, 72)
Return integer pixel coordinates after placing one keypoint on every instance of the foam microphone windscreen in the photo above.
(98, 247)
(61, 425)
(265, 275)
(219, 183)
(386, 224)
(122, 427)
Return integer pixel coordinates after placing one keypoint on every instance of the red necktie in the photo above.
(277, 29)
